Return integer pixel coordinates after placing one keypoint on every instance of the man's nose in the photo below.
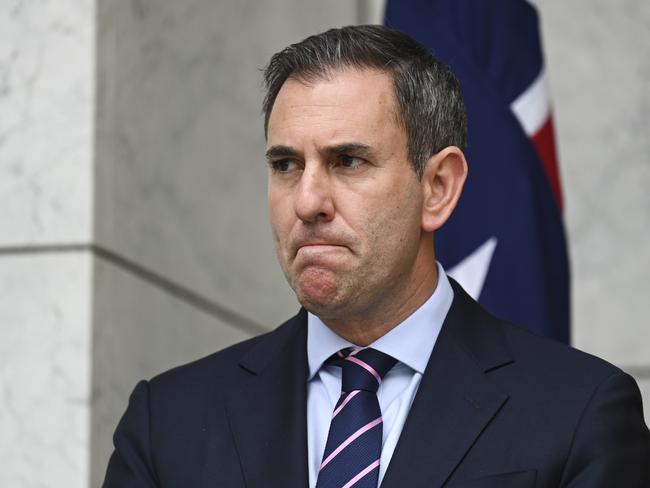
(313, 199)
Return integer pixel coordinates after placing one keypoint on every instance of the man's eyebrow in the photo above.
(281, 151)
(356, 148)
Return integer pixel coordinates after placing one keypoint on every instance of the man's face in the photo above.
(345, 205)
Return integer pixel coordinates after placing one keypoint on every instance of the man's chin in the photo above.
(318, 290)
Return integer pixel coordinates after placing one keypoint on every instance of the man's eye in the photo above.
(283, 165)
(351, 162)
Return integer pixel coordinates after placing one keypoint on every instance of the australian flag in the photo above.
(505, 242)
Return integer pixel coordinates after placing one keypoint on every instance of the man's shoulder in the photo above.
(527, 356)
(551, 358)
(557, 377)
(547, 383)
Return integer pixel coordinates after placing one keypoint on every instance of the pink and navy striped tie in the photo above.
(353, 448)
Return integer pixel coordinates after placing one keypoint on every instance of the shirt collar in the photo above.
(410, 342)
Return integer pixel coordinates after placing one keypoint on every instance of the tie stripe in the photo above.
(365, 366)
(349, 440)
(364, 472)
(353, 450)
(345, 401)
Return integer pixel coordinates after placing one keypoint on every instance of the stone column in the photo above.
(47, 90)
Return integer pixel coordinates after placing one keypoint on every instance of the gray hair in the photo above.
(429, 102)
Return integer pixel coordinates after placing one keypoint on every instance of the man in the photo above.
(364, 142)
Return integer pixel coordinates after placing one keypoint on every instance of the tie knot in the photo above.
(362, 369)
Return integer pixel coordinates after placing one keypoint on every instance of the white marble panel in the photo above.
(140, 330)
(46, 120)
(181, 171)
(45, 337)
(598, 57)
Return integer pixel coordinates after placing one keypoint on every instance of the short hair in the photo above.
(429, 102)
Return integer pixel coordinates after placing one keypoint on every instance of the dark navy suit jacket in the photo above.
(497, 407)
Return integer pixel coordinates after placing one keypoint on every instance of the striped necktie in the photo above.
(353, 448)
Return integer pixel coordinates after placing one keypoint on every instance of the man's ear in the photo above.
(442, 184)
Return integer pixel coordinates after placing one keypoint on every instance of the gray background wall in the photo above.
(133, 224)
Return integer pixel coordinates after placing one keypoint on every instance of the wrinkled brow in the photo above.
(281, 151)
(356, 148)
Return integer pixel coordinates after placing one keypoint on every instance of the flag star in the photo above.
(472, 271)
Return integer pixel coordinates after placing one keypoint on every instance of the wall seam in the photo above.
(178, 291)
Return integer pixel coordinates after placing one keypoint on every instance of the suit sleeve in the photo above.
(611, 445)
(130, 465)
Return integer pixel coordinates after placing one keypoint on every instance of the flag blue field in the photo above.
(505, 242)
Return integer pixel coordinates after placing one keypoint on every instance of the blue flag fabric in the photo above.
(506, 239)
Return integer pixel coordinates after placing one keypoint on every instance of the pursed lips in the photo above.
(319, 246)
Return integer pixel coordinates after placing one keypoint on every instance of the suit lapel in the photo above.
(267, 413)
(455, 400)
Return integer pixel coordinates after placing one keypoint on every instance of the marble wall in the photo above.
(180, 161)
(45, 339)
(46, 120)
(47, 91)
(598, 58)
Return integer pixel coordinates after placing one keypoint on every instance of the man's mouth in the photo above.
(319, 247)
(323, 246)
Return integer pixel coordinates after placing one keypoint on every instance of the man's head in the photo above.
(429, 103)
(352, 220)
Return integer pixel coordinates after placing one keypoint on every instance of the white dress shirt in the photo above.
(411, 343)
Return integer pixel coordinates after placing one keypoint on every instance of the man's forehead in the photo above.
(333, 74)
(348, 104)
(336, 89)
